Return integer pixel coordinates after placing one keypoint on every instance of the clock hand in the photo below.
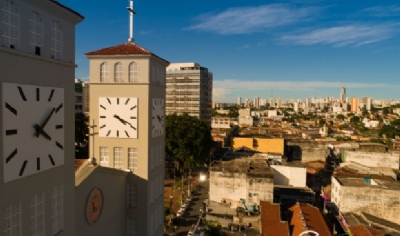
(41, 131)
(159, 118)
(124, 122)
(44, 123)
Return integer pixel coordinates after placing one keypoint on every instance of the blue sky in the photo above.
(297, 48)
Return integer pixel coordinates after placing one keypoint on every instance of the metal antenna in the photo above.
(131, 13)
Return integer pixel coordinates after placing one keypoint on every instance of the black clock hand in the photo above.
(41, 131)
(124, 122)
(38, 129)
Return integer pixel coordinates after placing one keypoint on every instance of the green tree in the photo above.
(188, 140)
(81, 135)
(355, 119)
(214, 228)
(340, 117)
(365, 113)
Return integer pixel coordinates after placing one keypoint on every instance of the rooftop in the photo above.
(248, 165)
(128, 48)
(271, 224)
(306, 217)
(362, 230)
(368, 182)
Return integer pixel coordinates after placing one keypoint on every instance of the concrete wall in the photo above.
(289, 176)
(306, 150)
(383, 203)
(236, 186)
(373, 159)
(265, 145)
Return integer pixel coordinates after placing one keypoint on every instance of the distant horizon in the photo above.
(297, 48)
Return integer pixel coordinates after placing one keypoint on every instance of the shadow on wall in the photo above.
(293, 153)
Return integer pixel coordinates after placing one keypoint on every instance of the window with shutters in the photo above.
(9, 24)
(37, 215)
(35, 33)
(132, 160)
(56, 40)
(118, 159)
(133, 72)
(12, 220)
(104, 72)
(57, 209)
(118, 73)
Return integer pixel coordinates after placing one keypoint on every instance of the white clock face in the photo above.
(33, 129)
(158, 117)
(118, 117)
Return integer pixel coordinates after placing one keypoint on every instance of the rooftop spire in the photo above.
(131, 13)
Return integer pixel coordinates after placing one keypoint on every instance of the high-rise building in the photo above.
(80, 95)
(256, 102)
(37, 187)
(272, 102)
(368, 102)
(189, 90)
(342, 94)
(354, 104)
(279, 102)
(239, 101)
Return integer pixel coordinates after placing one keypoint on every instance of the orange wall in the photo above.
(264, 145)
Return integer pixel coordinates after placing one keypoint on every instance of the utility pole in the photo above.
(93, 134)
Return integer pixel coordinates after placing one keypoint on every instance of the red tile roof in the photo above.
(306, 217)
(79, 163)
(128, 48)
(271, 224)
(362, 230)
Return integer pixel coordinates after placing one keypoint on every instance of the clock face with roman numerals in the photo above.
(158, 117)
(33, 129)
(118, 117)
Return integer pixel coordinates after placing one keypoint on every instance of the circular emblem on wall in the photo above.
(94, 205)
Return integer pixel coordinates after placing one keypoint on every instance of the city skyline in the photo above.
(297, 48)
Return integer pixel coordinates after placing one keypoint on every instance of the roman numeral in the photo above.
(127, 134)
(52, 160)
(37, 94)
(117, 101)
(59, 145)
(102, 126)
(38, 163)
(117, 133)
(12, 109)
(108, 133)
(59, 107)
(59, 126)
(103, 107)
(51, 95)
(21, 92)
(133, 108)
(21, 171)
(102, 117)
(127, 100)
(109, 101)
(8, 159)
(11, 132)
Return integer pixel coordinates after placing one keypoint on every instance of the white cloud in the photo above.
(244, 20)
(220, 93)
(381, 11)
(244, 47)
(353, 34)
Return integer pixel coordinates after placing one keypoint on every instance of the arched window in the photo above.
(118, 72)
(133, 72)
(35, 33)
(9, 29)
(104, 72)
(56, 40)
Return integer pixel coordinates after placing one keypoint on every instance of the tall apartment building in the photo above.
(367, 102)
(342, 94)
(355, 104)
(239, 101)
(37, 70)
(256, 102)
(272, 102)
(189, 90)
(80, 96)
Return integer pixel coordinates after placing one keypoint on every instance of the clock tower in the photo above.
(127, 104)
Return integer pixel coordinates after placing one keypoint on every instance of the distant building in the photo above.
(367, 102)
(189, 90)
(239, 101)
(221, 122)
(272, 102)
(245, 112)
(372, 159)
(343, 94)
(256, 102)
(259, 144)
(279, 102)
(354, 103)
(80, 96)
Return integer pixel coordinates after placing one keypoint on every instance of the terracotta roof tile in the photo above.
(362, 230)
(306, 217)
(271, 224)
(79, 163)
(128, 48)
